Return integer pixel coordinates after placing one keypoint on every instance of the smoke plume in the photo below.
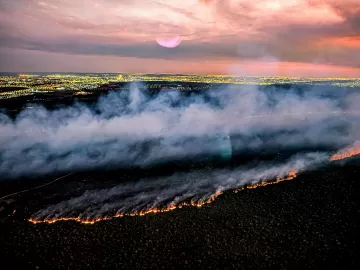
(133, 128)
(138, 129)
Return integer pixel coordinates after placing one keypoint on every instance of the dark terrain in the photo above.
(309, 222)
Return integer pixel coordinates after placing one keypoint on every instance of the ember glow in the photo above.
(347, 153)
(291, 176)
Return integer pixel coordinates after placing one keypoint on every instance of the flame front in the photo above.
(352, 151)
(155, 210)
(355, 150)
(290, 176)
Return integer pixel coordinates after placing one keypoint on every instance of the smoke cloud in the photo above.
(138, 129)
(133, 128)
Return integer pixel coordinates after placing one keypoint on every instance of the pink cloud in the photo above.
(303, 31)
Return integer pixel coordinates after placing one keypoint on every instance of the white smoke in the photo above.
(113, 132)
(132, 128)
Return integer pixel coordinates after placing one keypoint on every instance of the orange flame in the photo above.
(353, 151)
(155, 210)
(291, 176)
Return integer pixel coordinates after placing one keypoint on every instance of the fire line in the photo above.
(292, 174)
(168, 208)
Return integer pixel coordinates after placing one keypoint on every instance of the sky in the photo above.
(308, 38)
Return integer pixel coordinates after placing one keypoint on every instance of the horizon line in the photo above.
(173, 74)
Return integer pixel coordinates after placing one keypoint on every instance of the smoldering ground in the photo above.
(136, 129)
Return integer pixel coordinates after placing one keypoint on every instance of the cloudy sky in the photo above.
(258, 37)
